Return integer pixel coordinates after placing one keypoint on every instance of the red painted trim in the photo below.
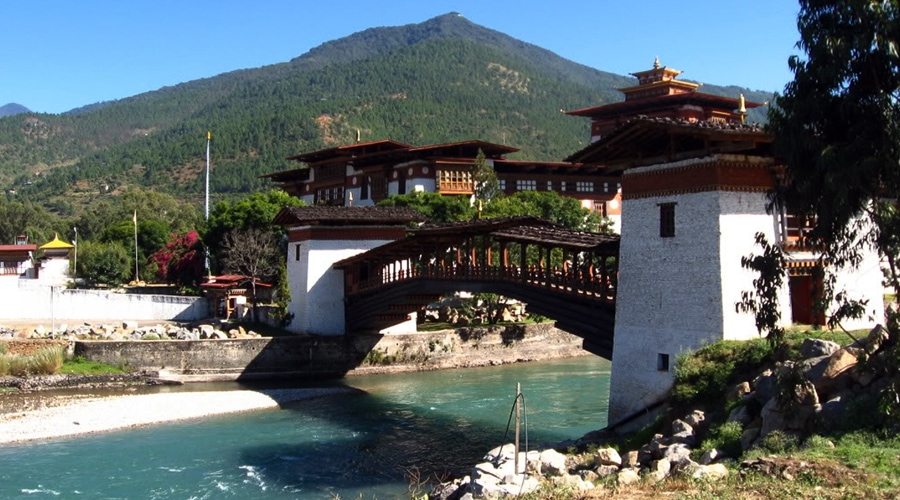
(697, 178)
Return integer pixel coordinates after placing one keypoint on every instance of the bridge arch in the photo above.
(569, 276)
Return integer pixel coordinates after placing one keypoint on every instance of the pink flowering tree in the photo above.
(181, 260)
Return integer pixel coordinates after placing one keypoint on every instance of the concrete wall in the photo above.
(33, 300)
(334, 356)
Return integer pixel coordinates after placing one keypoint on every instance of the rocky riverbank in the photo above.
(789, 404)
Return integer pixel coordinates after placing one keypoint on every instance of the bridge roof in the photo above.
(522, 229)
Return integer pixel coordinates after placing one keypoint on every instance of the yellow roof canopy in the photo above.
(56, 244)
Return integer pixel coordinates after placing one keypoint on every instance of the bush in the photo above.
(778, 442)
(706, 373)
(46, 361)
(725, 438)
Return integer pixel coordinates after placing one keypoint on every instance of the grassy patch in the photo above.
(706, 373)
(81, 366)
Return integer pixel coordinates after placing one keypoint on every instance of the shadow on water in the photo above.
(417, 432)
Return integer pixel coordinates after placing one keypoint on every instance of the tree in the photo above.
(837, 126)
(548, 205)
(434, 206)
(254, 211)
(103, 263)
(837, 129)
(181, 260)
(486, 184)
(252, 252)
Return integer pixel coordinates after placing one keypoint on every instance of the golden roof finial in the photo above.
(656, 63)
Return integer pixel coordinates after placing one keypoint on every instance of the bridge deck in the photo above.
(566, 275)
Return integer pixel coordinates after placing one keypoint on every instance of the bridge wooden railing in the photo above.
(574, 282)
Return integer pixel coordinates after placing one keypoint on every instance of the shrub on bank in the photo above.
(45, 361)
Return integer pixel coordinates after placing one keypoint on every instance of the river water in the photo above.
(402, 428)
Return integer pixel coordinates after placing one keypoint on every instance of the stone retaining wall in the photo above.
(340, 355)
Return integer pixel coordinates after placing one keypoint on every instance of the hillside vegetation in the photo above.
(442, 80)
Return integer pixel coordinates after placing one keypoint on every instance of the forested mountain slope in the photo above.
(442, 80)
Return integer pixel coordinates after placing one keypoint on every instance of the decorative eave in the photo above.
(648, 141)
(626, 107)
(349, 150)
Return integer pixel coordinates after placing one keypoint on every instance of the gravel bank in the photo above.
(85, 416)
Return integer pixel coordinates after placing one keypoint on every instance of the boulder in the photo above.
(711, 472)
(630, 459)
(553, 463)
(679, 426)
(607, 456)
(659, 470)
(740, 414)
(835, 374)
(679, 455)
(738, 391)
(603, 471)
(764, 387)
(813, 348)
(696, 417)
(129, 325)
(710, 456)
(627, 476)
(206, 331)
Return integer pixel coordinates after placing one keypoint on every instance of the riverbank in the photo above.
(77, 416)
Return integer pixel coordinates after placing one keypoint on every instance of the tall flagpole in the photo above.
(206, 250)
(208, 140)
(137, 278)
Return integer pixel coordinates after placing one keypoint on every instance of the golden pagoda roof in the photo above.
(56, 244)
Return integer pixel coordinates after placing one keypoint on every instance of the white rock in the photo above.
(553, 462)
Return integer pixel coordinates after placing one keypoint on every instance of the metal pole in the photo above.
(205, 249)
(75, 267)
(136, 275)
(518, 415)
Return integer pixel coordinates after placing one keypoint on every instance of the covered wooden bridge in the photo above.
(569, 276)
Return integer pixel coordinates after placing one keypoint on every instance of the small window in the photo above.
(667, 220)
(584, 186)
(662, 362)
(297, 253)
(526, 185)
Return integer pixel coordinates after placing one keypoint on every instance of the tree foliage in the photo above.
(103, 263)
(181, 261)
(487, 185)
(434, 206)
(837, 126)
(254, 211)
(548, 205)
(252, 252)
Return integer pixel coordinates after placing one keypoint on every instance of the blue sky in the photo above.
(57, 55)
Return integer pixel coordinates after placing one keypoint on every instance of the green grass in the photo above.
(81, 366)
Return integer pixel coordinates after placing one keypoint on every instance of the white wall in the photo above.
(317, 289)
(33, 300)
(677, 294)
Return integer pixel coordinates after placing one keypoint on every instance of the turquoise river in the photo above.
(403, 428)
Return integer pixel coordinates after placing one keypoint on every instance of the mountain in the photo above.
(13, 109)
(443, 80)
